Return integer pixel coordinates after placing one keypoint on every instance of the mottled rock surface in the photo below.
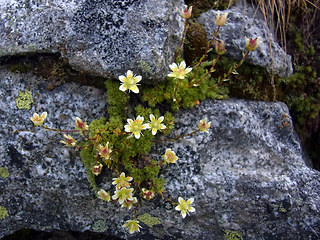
(247, 175)
(245, 21)
(102, 37)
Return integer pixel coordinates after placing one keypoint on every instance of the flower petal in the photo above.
(182, 65)
(140, 118)
(137, 135)
(190, 200)
(192, 209)
(122, 78)
(44, 115)
(129, 74)
(135, 89)
(173, 66)
(137, 79)
(123, 88)
(127, 128)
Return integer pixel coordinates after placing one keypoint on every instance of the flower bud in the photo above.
(204, 125)
(38, 120)
(186, 13)
(220, 47)
(169, 156)
(105, 196)
(147, 194)
(97, 169)
(81, 126)
(221, 20)
(104, 151)
(69, 142)
(252, 44)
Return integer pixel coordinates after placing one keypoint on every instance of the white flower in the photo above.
(135, 126)
(179, 71)
(185, 206)
(156, 124)
(129, 82)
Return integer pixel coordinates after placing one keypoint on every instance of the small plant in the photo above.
(120, 144)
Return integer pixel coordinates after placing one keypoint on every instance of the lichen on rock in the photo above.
(24, 100)
(147, 219)
(99, 226)
(4, 173)
(3, 213)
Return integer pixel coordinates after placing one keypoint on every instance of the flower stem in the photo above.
(230, 71)
(127, 104)
(168, 199)
(182, 39)
(211, 69)
(176, 90)
(58, 130)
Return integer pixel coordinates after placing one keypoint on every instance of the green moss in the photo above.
(21, 68)
(116, 99)
(302, 95)
(88, 158)
(3, 213)
(141, 174)
(4, 173)
(232, 235)
(196, 42)
(24, 100)
(147, 219)
(187, 96)
(157, 185)
(153, 94)
(99, 226)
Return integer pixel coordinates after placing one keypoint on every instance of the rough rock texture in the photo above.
(102, 37)
(246, 21)
(247, 175)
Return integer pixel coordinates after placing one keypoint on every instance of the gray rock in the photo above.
(247, 175)
(102, 37)
(245, 21)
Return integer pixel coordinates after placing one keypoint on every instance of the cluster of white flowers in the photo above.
(136, 126)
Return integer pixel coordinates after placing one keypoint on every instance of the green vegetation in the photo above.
(187, 95)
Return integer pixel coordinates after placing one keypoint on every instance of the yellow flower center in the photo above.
(129, 82)
(137, 126)
(155, 124)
